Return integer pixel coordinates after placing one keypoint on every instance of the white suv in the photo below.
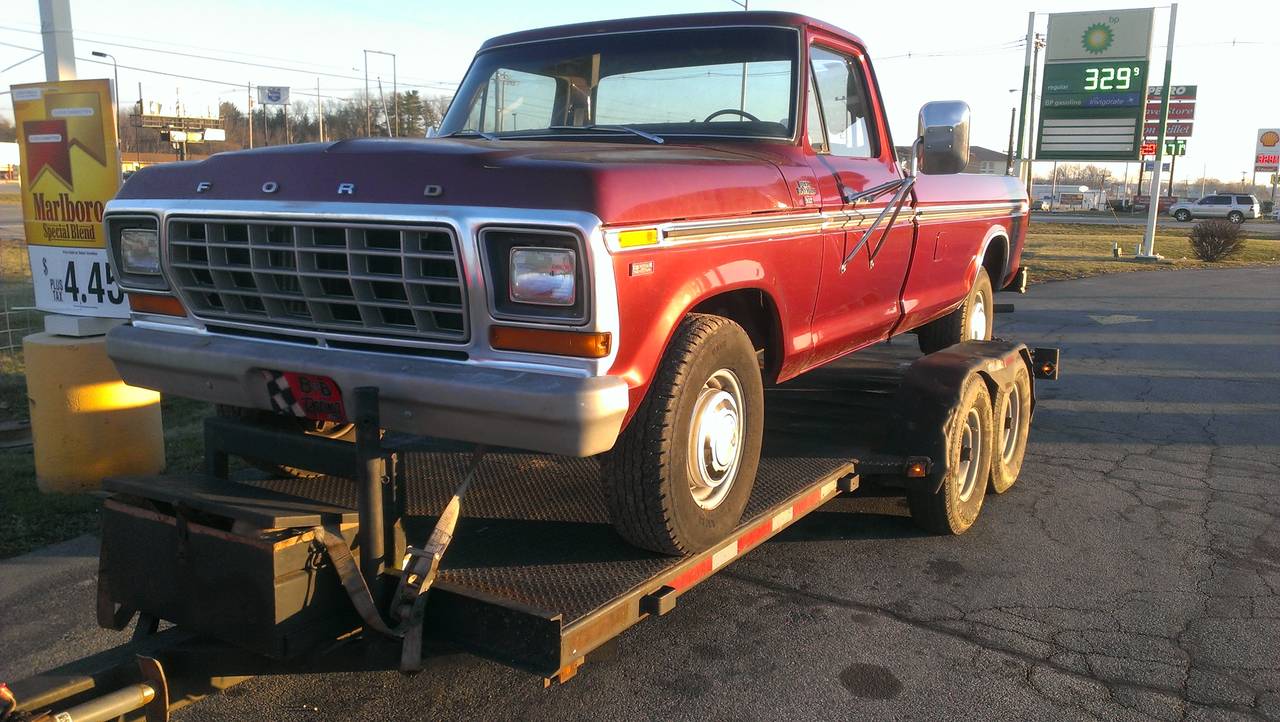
(1232, 206)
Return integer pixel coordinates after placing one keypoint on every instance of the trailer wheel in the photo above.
(969, 444)
(1012, 416)
(681, 473)
(973, 321)
(329, 430)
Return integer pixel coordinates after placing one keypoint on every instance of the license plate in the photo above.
(307, 396)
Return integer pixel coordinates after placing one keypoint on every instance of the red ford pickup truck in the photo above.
(622, 232)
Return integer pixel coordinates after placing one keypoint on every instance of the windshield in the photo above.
(737, 82)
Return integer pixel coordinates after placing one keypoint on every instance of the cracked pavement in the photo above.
(1133, 572)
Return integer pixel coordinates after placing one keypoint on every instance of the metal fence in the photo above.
(18, 316)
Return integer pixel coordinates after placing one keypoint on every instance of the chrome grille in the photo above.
(365, 279)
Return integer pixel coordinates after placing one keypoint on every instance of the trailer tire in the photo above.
(974, 320)
(954, 508)
(342, 432)
(681, 473)
(1011, 413)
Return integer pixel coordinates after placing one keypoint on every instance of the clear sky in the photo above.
(922, 50)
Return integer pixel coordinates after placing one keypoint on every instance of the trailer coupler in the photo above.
(151, 695)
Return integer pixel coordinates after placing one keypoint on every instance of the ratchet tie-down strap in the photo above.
(418, 571)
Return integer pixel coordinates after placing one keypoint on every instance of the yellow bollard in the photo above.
(86, 424)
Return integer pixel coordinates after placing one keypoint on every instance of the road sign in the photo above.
(1266, 158)
(1150, 165)
(1172, 130)
(1174, 146)
(70, 169)
(273, 95)
(1092, 100)
(1182, 110)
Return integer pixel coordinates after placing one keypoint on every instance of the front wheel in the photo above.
(973, 321)
(1182, 215)
(681, 473)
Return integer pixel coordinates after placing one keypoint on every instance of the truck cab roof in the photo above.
(667, 22)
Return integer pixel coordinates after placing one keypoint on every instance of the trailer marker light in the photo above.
(917, 470)
(550, 341)
(158, 305)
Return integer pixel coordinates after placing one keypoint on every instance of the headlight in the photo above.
(536, 274)
(140, 251)
(543, 276)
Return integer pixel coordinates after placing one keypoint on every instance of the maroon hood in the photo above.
(621, 183)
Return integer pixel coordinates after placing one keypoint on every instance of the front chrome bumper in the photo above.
(557, 414)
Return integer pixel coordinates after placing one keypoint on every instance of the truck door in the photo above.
(858, 299)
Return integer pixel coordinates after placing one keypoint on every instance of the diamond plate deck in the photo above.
(535, 529)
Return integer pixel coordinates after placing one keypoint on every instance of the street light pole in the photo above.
(368, 118)
(116, 92)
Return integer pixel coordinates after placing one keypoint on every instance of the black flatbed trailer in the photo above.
(535, 577)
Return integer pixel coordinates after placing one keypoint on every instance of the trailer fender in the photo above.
(930, 393)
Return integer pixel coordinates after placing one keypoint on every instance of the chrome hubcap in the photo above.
(715, 441)
(978, 320)
(1012, 420)
(970, 454)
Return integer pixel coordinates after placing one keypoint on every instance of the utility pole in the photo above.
(1149, 235)
(382, 100)
(59, 43)
(1037, 42)
(368, 111)
(1013, 119)
(249, 88)
(320, 109)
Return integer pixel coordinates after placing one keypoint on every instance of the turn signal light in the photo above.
(159, 305)
(639, 237)
(559, 343)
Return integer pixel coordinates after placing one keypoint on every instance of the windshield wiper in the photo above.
(612, 129)
(469, 132)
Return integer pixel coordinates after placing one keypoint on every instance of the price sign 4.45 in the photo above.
(78, 281)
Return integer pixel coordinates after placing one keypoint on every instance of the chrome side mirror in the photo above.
(942, 144)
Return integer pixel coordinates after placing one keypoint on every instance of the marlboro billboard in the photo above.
(70, 169)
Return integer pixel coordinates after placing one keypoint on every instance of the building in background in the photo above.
(8, 161)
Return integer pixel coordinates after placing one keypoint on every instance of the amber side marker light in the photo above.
(159, 305)
(916, 468)
(559, 343)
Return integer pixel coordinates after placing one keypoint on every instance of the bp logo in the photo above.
(1097, 38)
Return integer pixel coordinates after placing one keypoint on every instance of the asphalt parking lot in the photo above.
(1132, 573)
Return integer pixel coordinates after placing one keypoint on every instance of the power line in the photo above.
(432, 85)
(222, 81)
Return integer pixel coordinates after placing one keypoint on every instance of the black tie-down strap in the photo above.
(418, 571)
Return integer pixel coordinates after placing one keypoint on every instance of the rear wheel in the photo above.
(682, 471)
(1012, 416)
(1235, 217)
(1183, 215)
(969, 446)
(973, 321)
(326, 429)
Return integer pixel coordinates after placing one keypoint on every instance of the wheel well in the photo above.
(995, 260)
(755, 312)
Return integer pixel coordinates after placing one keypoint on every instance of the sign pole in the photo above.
(1026, 88)
(1153, 211)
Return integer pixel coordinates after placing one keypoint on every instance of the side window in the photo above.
(1244, 200)
(513, 100)
(837, 80)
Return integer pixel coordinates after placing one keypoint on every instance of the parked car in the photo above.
(1235, 207)
(622, 233)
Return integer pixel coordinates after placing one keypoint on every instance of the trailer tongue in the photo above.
(534, 575)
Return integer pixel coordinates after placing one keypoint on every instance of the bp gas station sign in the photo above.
(1093, 98)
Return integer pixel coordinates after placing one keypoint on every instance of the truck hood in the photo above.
(621, 183)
